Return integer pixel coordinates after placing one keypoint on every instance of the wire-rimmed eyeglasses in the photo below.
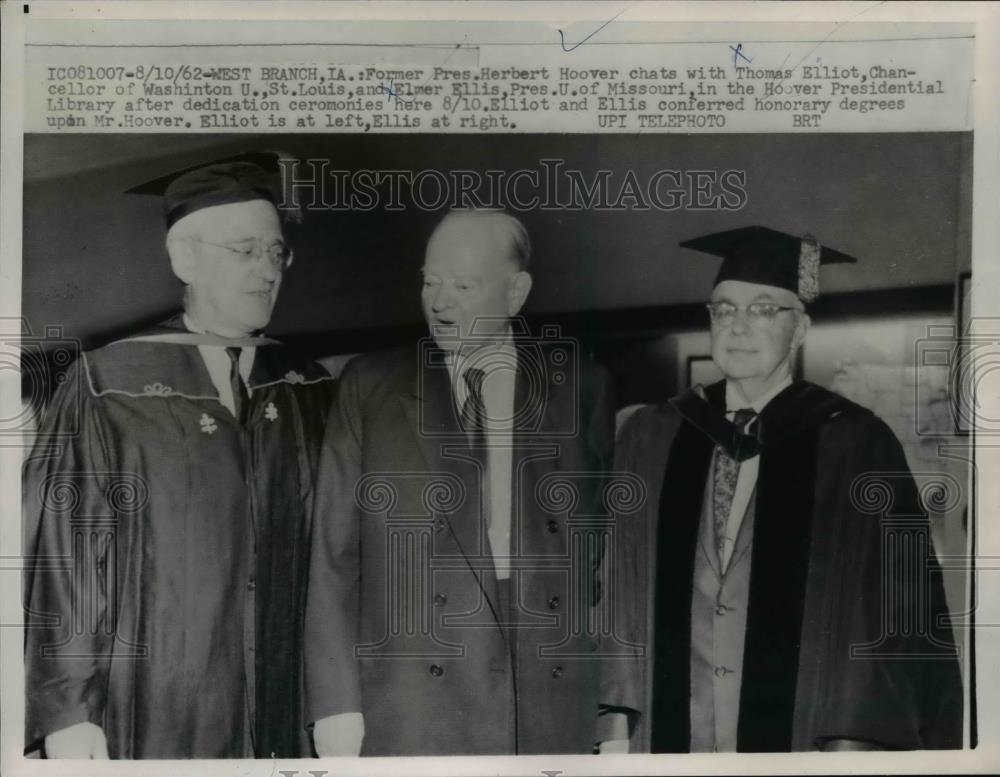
(757, 313)
(277, 253)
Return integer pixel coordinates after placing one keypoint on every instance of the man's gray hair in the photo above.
(509, 226)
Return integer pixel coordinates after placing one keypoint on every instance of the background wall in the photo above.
(94, 261)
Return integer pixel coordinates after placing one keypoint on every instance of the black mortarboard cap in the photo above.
(252, 176)
(761, 255)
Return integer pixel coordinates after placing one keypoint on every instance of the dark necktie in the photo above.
(724, 477)
(474, 410)
(474, 425)
(241, 397)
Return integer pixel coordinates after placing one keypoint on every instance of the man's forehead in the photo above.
(490, 232)
(453, 254)
(437, 269)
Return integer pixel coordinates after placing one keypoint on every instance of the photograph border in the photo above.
(987, 230)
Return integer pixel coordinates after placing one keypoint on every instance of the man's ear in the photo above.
(517, 292)
(183, 261)
(801, 330)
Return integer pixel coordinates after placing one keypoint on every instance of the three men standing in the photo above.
(172, 481)
(449, 578)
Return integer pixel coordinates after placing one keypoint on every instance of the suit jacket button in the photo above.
(251, 585)
(436, 670)
(554, 603)
(557, 672)
(440, 599)
(552, 526)
(721, 609)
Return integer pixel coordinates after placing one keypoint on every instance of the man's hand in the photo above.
(82, 740)
(612, 731)
(339, 735)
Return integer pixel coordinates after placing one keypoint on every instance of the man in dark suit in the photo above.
(449, 587)
(781, 571)
(189, 450)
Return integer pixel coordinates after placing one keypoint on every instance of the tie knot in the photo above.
(233, 352)
(474, 381)
(742, 417)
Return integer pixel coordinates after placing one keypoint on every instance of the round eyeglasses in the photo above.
(757, 313)
(278, 254)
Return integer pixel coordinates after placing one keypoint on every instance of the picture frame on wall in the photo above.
(963, 398)
(963, 310)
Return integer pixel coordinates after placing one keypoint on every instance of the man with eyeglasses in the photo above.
(168, 503)
(781, 574)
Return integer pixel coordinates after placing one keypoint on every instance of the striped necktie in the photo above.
(241, 397)
(474, 426)
(724, 477)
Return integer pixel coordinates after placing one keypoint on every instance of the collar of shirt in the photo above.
(733, 403)
(218, 365)
(503, 352)
(746, 480)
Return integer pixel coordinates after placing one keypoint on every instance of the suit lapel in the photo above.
(430, 409)
(744, 537)
(534, 389)
(706, 536)
(535, 454)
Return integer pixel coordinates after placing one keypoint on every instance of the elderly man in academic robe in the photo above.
(450, 579)
(781, 574)
(167, 506)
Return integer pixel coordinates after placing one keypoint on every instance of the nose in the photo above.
(266, 268)
(741, 321)
(442, 299)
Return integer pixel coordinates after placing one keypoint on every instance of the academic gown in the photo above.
(170, 547)
(843, 637)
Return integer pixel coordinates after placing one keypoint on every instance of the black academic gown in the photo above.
(843, 637)
(170, 544)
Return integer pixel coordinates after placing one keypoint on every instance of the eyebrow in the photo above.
(467, 278)
(252, 239)
(759, 298)
(235, 238)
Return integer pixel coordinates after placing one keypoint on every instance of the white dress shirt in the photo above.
(746, 480)
(499, 363)
(218, 365)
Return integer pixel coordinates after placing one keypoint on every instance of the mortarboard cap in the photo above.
(242, 178)
(761, 255)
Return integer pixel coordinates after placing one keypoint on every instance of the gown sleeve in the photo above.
(895, 681)
(68, 626)
(622, 676)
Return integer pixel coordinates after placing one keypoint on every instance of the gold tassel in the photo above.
(809, 269)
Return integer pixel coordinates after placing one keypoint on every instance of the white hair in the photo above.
(509, 227)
